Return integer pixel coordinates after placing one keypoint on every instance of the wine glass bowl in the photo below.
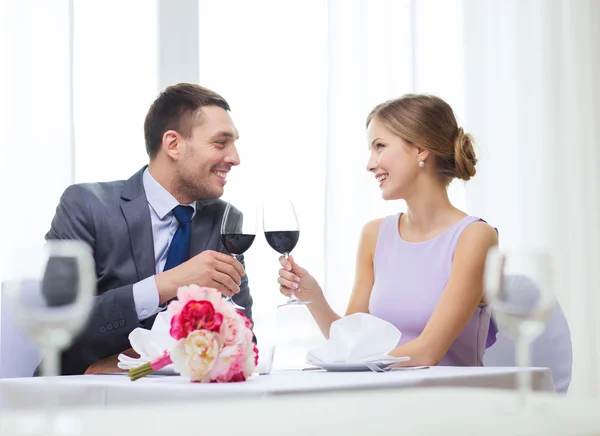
(238, 231)
(282, 241)
(282, 233)
(518, 306)
(53, 302)
(237, 244)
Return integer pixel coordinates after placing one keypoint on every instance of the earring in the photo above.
(421, 164)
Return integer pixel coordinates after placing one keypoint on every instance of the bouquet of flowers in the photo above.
(214, 341)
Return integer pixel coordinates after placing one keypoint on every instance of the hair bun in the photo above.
(464, 155)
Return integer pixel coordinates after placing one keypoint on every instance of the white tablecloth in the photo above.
(108, 390)
(414, 412)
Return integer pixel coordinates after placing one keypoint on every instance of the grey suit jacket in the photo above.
(114, 219)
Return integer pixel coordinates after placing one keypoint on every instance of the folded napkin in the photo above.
(149, 344)
(357, 338)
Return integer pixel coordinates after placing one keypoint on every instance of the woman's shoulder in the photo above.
(371, 229)
(370, 233)
(372, 226)
(479, 233)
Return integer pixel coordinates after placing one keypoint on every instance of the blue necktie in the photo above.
(179, 251)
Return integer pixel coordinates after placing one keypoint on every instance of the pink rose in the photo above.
(250, 364)
(247, 337)
(232, 330)
(189, 293)
(231, 362)
(195, 315)
(185, 294)
(245, 318)
(239, 377)
(255, 350)
(196, 356)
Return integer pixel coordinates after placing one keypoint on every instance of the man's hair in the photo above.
(178, 108)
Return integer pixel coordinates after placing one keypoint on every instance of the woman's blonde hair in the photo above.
(428, 122)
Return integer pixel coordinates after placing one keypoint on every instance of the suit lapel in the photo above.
(137, 215)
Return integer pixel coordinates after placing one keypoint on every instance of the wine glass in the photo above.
(282, 233)
(52, 302)
(519, 285)
(238, 230)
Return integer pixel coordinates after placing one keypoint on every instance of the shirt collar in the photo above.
(159, 198)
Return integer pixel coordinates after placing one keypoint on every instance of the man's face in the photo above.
(207, 156)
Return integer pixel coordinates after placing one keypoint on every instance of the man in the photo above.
(161, 228)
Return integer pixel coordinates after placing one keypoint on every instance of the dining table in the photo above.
(105, 390)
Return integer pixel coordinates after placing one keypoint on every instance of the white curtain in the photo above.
(378, 50)
(269, 60)
(36, 149)
(77, 83)
(303, 77)
(115, 81)
(532, 102)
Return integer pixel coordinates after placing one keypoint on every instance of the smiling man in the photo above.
(160, 229)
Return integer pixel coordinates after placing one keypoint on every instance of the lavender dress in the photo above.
(410, 278)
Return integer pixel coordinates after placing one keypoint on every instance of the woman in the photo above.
(421, 270)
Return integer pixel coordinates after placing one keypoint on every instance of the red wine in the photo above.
(283, 241)
(237, 243)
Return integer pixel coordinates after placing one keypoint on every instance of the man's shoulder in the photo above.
(104, 192)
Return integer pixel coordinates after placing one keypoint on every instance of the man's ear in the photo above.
(170, 144)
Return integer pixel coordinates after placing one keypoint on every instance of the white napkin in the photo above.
(356, 338)
(149, 344)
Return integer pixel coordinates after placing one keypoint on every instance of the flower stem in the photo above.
(140, 371)
(148, 368)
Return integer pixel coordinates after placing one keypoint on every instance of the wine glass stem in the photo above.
(50, 368)
(50, 363)
(235, 256)
(292, 297)
(524, 375)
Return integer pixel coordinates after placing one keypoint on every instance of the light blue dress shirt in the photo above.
(164, 225)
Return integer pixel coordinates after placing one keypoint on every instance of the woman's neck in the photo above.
(429, 210)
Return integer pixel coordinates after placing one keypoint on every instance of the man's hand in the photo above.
(109, 365)
(209, 268)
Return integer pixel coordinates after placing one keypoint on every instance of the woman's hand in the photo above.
(295, 279)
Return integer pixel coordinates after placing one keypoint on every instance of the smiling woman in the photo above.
(421, 270)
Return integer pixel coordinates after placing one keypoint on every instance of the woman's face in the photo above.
(393, 162)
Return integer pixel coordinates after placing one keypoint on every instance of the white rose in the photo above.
(196, 355)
